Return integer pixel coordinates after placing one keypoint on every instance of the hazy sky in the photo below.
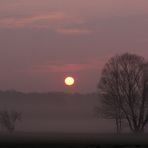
(42, 41)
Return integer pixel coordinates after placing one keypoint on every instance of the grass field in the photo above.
(73, 140)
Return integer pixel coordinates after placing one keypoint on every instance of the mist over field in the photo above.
(55, 112)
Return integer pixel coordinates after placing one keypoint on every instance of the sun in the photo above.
(69, 81)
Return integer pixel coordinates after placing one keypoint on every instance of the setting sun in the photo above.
(69, 81)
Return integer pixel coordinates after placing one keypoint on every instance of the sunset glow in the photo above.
(44, 41)
(69, 81)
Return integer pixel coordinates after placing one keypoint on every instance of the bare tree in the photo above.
(110, 110)
(8, 119)
(124, 90)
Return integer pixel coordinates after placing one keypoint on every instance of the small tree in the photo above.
(8, 119)
(124, 90)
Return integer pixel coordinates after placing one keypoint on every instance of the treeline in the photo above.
(12, 94)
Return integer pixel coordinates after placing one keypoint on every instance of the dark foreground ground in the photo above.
(25, 140)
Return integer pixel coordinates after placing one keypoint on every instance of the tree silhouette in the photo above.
(124, 91)
(8, 119)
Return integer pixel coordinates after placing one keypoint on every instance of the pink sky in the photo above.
(41, 41)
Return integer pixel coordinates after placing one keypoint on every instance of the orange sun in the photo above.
(69, 81)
